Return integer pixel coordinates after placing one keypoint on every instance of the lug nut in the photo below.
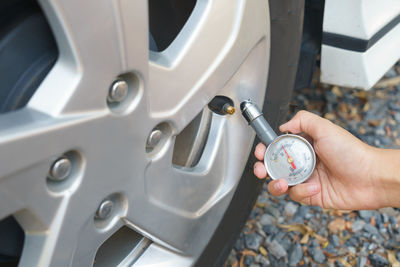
(153, 139)
(105, 209)
(118, 91)
(60, 169)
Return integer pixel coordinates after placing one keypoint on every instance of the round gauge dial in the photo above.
(290, 157)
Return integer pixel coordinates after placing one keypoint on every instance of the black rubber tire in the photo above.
(286, 32)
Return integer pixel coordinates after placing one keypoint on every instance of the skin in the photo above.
(349, 174)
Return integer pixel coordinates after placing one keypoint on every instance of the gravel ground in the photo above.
(281, 232)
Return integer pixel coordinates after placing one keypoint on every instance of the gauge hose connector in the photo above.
(256, 120)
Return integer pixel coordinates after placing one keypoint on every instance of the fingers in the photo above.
(278, 187)
(259, 152)
(259, 170)
(307, 122)
(304, 192)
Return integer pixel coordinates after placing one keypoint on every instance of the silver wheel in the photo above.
(111, 110)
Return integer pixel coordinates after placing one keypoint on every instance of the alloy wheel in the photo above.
(88, 165)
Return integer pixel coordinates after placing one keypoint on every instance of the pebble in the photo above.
(275, 249)
(290, 209)
(358, 225)
(295, 254)
(371, 229)
(335, 240)
(317, 254)
(361, 261)
(377, 260)
(272, 211)
(366, 214)
(248, 260)
(253, 241)
(267, 219)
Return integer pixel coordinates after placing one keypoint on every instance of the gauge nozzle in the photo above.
(256, 120)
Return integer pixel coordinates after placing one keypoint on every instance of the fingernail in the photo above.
(313, 188)
(277, 186)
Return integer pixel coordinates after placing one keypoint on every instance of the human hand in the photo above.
(344, 175)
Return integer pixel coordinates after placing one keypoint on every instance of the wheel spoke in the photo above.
(98, 40)
(217, 39)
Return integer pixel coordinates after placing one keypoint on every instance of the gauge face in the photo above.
(290, 157)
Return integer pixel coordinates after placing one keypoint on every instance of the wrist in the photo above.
(386, 173)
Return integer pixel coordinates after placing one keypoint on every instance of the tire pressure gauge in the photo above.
(288, 156)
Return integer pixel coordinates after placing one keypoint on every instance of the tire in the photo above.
(286, 32)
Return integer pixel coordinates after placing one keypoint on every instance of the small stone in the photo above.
(275, 249)
(361, 262)
(377, 260)
(304, 212)
(372, 246)
(317, 254)
(391, 73)
(253, 241)
(295, 254)
(272, 211)
(275, 262)
(231, 259)
(331, 249)
(358, 225)
(398, 255)
(270, 229)
(239, 244)
(335, 240)
(262, 260)
(290, 209)
(371, 229)
(267, 219)
(352, 250)
(248, 260)
(286, 243)
(262, 199)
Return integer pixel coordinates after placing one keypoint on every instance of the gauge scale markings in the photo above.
(290, 157)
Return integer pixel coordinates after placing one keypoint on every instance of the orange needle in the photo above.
(289, 158)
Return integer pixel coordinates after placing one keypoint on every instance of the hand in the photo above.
(346, 175)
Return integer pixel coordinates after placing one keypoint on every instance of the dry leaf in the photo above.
(366, 107)
(260, 205)
(235, 264)
(330, 116)
(388, 82)
(337, 225)
(263, 251)
(344, 262)
(343, 108)
(372, 221)
(304, 239)
(336, 91)
(361, 94)
(374, 123)
(248, 252)
(392, 259)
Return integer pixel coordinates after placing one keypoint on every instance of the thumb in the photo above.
(306, 122)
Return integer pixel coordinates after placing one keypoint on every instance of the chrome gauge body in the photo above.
(290, 157)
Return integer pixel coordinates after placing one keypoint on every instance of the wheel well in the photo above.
(310, 43)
